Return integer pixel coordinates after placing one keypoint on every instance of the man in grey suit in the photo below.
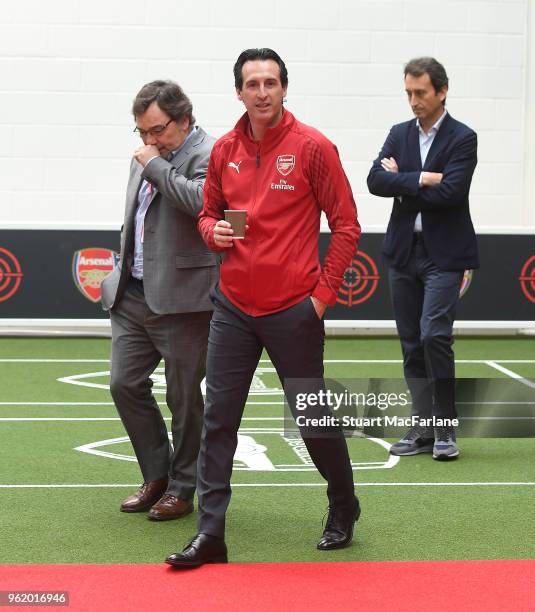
(158, 298)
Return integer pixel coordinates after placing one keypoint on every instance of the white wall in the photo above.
(70, 69)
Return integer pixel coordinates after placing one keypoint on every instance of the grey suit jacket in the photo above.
(178, 269)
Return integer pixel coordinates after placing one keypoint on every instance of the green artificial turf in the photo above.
(400, 520)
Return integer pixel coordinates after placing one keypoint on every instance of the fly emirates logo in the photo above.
(282, 185)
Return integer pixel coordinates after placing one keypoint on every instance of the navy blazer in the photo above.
(447, 227)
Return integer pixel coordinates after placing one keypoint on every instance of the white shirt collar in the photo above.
(436, 125)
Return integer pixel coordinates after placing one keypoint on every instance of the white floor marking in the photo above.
(291, 422)
(109, 404)
(495, 403)
(9, 419)
(54, 361)
(492, 403)
(117, 419)
(44, 360)
(511, 374)
(258, 387)
(296, 485)
(251, 455)
(513, 360)
(57, 404)
(79, 380)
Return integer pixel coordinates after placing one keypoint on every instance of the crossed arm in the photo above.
(425, 190)
(427, 179)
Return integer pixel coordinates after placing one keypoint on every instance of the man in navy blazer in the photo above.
(426, 165)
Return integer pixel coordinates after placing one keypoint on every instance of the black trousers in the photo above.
(294, 340)
(424, 299)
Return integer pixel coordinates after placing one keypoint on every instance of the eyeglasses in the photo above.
(155, 131)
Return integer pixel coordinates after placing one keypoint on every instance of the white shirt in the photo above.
(426, 140)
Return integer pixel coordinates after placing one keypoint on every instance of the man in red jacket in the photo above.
(272, 292)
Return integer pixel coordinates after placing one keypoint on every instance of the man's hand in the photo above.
(223, 234)
(389, 164)
(431, 178)
(146, 152)
(319, 307)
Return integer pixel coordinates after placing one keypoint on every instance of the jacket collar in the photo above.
(192, 141)
(444, 130)
(441, 137)
(272, 135)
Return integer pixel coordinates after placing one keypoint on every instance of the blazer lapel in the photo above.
(413, 147)
(132, 192)
(194, 140)
(441, 138)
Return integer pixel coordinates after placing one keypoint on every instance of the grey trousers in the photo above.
(140, 339)
(294, 340)
(424, 299)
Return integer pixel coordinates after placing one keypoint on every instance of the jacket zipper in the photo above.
(255, 193)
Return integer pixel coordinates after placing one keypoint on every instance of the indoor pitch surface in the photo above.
(65, 467)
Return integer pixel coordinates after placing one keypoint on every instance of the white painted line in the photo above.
(499, 418)
(511, 374)
(79, 379)
(66, 486)
(6, 419)
(296, 485)
(290, 421)
(400, 484)
(495, 403)
(246, 443)
(266, 419)
(247, 404)
(45, 360)
(57, 404)
(54, 360)
(393, 361)
(401, 361)
(513, 360)
(110, 403)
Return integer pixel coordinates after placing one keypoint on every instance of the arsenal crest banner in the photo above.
(89, 268)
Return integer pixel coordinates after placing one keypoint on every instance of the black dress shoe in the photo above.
(338, 531)
(202, 549)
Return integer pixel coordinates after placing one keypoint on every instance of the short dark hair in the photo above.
(169, 97)
(258, 54)
(436, 71)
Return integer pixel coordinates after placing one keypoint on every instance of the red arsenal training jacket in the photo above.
(284, 182)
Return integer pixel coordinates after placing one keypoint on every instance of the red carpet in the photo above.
(394, 586)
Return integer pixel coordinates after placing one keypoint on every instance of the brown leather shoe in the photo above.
(147, 495)
(169, 508)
